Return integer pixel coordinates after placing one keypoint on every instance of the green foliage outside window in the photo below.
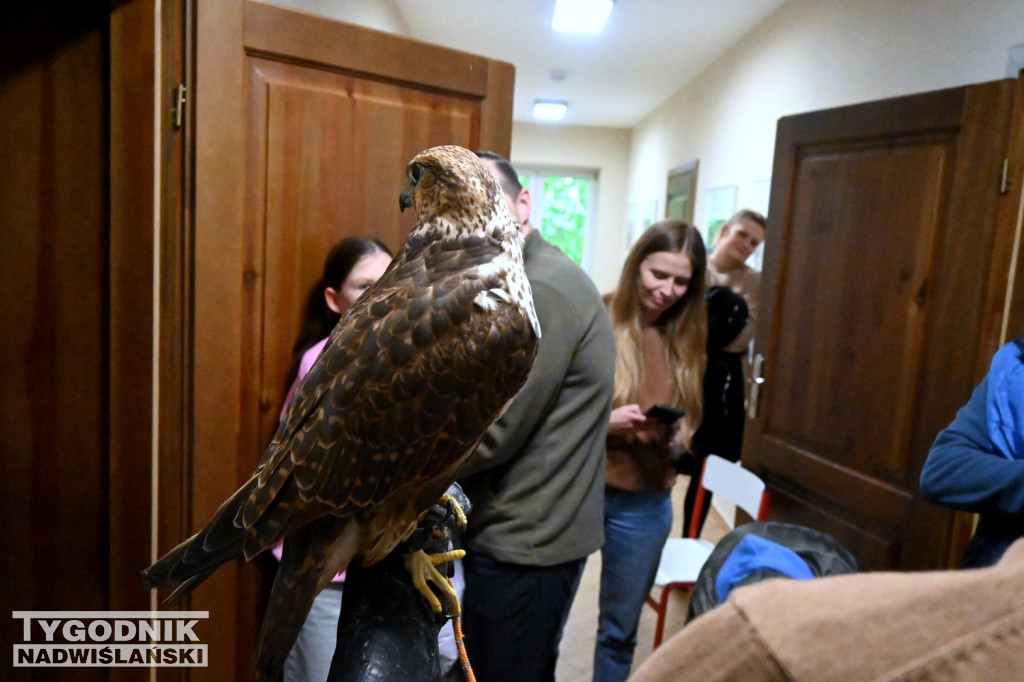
(565, 214)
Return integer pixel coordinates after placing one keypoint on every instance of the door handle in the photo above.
(757, 378)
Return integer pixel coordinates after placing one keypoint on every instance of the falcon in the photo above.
(413, 374)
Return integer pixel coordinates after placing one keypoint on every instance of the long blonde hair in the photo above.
(685, 323)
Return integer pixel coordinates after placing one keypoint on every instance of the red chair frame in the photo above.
(729, 480)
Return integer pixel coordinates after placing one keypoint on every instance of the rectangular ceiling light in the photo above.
(549, 110)
(580, 16)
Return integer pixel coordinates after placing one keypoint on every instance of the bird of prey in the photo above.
(413, 374)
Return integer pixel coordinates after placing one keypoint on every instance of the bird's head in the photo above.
(450, 184)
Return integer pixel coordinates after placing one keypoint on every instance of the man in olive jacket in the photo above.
(536, 482)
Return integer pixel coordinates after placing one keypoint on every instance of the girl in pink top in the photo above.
(351, 266)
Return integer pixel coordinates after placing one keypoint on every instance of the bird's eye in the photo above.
(415, 171)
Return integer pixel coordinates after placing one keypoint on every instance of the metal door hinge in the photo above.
(178, 106)
(1004, 180)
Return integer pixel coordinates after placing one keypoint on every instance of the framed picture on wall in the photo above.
(632, 223)
(759, 203)
(639, 216)
(721, 206)
(759, 196)
(648, 214)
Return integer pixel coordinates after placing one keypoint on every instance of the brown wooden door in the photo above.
(303, 129)
(329, 133)
(884, 281)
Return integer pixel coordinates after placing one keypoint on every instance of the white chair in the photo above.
(682, 558)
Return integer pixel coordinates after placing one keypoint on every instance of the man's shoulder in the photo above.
(548, 266)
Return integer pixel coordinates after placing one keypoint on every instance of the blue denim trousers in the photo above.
(636, 526)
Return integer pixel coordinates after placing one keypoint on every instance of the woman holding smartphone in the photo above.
(658, 317)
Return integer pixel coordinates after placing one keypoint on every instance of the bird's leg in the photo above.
(423, 568)
(454, 508)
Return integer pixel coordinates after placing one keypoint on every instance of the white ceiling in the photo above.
(648, 50)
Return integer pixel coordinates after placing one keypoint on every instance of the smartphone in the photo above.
(664, 413)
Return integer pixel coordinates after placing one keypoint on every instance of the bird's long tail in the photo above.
(195, 559)
(303, 572)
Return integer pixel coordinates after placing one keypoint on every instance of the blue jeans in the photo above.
(636, 526)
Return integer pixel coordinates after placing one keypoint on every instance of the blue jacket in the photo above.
(977, 463)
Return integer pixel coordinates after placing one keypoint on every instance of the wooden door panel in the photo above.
(321, 170)
(870, 543)
(843, 358)
(877, 293)
(328, 152)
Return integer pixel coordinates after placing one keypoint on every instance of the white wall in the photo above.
(605, 150)
(382, 15)
(810, 55)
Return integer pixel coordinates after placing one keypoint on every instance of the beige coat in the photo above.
(943, 625)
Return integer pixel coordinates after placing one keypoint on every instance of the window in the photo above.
(563, 208)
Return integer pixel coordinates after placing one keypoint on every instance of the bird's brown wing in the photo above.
(404, 389)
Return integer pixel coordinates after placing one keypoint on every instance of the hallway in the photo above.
(576, 656)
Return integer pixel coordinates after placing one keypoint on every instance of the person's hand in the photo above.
(632, 418)
(675, 444)
(625, 418)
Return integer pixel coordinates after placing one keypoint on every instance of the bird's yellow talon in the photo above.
(423, 569)
(460, 515)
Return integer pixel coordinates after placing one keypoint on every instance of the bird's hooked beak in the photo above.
(405, 200)
(413, 174)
